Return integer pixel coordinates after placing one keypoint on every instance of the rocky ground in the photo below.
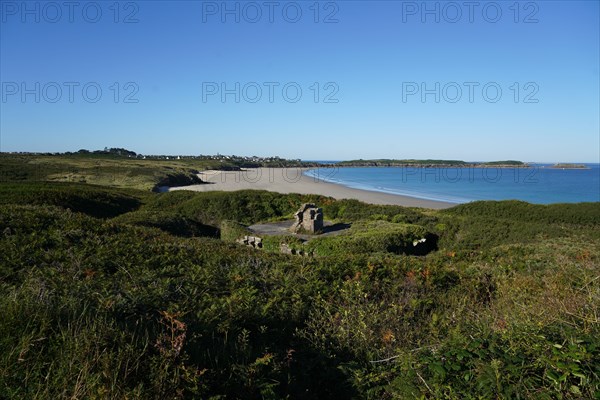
(283, 228)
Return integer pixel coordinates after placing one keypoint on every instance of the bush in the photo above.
(170, 222)
(375, 236)
(232, 231)
(246, 206)
(92, 200)
(112, 308)
(570, 214)
(354, 210)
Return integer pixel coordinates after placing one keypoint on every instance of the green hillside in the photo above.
(122, 168)
(113, 293)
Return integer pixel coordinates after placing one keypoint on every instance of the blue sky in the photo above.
(161, 68)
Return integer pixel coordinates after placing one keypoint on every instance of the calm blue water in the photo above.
(539, 184)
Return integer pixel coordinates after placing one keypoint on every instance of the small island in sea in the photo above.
(569, 166)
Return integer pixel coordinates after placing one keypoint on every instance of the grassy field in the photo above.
(103, 170)
(115, 170)
(123, 293)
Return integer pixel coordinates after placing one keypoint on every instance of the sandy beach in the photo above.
(292, 180)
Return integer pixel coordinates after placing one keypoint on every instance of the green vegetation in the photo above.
(173, 223)
(245, 206)
(105, 170)
(120, 293)
(232, 231)
(505, 163)
(95, 201)
(123, 168)
(570, 166)
(371, 237)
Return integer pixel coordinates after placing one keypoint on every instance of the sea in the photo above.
(538, 184)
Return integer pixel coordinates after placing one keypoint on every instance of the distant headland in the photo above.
(236, 163)
(569, 166)
(432, 163)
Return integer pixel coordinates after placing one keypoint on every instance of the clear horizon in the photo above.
(313, 160)
(419, 80)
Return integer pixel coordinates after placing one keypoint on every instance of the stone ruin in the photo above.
(251, 241)
(284, 248)
(309, 218)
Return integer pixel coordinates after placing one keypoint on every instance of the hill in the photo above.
(123, 168)
(120, 293)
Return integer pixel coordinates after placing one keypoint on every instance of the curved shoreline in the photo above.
(384, 190)
(293, 180)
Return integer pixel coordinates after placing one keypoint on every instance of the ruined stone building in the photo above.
(309, 218)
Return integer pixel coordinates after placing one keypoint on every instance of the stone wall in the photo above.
(251, 241)
(309, 218)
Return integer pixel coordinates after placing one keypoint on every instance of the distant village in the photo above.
(132, 154)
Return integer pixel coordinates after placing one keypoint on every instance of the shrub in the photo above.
(168, 221)
(112, 308)
(374, 236)
(231, 231)
(92, 200)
